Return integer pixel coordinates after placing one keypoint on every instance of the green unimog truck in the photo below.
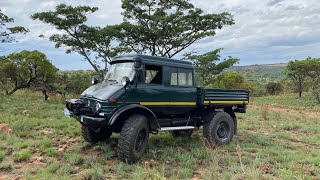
(146, 94)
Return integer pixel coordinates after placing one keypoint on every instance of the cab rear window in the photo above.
(181, 77)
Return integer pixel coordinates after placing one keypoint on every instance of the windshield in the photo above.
(119, 70)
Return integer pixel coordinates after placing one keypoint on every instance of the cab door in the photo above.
(183, 94)
(152, 93)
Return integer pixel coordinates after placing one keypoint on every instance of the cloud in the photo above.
(264, 31)
(265, 27)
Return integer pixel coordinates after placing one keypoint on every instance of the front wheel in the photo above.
(133, 139)
(219, 130)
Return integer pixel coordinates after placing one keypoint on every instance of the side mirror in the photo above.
(94, 80)
(137, 64)
(125, 81)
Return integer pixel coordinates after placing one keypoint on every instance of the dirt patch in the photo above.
(5, 128)
(37, 164)
(9, 176)
(266, 168)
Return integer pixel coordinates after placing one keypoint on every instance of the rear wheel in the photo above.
(219, 130)
(133, 139)
(94, 137)
(179, 133)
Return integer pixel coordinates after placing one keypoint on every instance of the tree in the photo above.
(274, 88)
(206, 67)
(312, 67)
(231, 80)
(24, 70)
(7, 32)
(95, 44)
(165, 28)
(296, 71)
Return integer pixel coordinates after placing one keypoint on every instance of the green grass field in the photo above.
(278, 138)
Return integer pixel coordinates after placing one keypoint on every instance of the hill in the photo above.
(262, 73)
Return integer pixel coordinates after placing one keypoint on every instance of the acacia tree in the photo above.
(206, 67)
(95, 44)
(7, 32)
(296, 71)
(24, 70)
(312, 67)
(165, 28)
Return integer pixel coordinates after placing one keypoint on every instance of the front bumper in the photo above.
(87, 120)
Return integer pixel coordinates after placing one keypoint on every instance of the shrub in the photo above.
(274, 88)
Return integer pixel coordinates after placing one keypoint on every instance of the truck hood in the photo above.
(101, 91)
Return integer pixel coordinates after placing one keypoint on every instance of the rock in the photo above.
(146, 164)
(37, 158)
(61, 149)
(17, 166)
(5, 128)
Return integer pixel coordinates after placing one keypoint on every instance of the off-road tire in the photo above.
(219, 130)
(133, 139)
(180, 133)
(92, 137)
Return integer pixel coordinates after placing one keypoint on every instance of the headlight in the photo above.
(98, 107)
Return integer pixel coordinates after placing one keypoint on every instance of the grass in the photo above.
(2, 155)
(22, 156)
(306, 102)
(272, 144)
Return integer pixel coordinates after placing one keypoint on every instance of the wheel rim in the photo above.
(140, 140)
(223, 131)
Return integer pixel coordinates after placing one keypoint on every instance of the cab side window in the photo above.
(153, 74)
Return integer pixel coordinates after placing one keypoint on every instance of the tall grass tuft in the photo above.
(265, 112)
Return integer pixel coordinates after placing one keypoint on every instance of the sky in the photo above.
(265, 31)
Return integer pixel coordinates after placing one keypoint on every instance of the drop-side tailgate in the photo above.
(225, 96)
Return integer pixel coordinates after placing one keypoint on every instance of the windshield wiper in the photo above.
(88, 95)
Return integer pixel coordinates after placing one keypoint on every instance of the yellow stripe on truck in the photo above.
(168, 103)
(226, 102)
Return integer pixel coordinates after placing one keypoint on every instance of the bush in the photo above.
(274, 88)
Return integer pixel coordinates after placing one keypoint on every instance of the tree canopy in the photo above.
(165, 28)
(302, 71)
(156, 27)
(95, 44)
(206, 65)
(7, 32)
(25, 69)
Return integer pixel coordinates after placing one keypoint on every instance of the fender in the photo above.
(125, 108)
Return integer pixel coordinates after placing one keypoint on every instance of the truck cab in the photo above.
(146, 94)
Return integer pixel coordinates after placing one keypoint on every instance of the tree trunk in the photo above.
(300, 88)
(44, 92)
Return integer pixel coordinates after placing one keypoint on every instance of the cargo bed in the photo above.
(222, 97)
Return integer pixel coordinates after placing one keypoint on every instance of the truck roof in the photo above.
(156, 60)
